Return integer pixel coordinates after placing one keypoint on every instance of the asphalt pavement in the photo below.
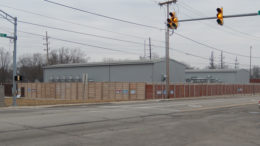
(223, 121)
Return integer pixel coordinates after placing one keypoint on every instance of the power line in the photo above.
(79, 43)
(198, 12)
(131, 41)
(84, 44)
(79, 24)
(104, 16)
(212, 27)
(63, 5)
(244, 33)
(214, 48)
(77, 32)
(104, 37)
(201, 57)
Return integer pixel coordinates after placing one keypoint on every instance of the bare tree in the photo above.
(5, 61)
(256, 72)
(66, 56)
(30, 67)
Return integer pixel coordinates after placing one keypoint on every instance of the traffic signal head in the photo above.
(18, 78)
(172, 14)
(220, 16)
(169, 23)
(173, 21)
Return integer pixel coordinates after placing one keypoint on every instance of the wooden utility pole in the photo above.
(221, 60)
(236, 63)
(47, 47)
(250, 70)
(167, 46)
(150, 48)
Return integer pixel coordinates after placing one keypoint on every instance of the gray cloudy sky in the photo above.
(237, 34)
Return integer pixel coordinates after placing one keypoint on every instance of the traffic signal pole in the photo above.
(173, 24)
(227, 16)
(13, 20)
(14, 62)
(167, 47)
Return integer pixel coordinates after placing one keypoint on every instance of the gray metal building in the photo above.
(122, 71)
(235, 76)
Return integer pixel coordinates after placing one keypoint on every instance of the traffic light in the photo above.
(18, 78)
(173, 21)
(220, 16)
(170, 24)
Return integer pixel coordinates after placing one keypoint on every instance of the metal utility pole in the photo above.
(14, 62)
(211, 61)
(13, 20)
(150, 48)
(250, 70)
(47, 47)
(167, 46)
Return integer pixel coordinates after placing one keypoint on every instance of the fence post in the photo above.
(194, 92)
(2, 96)
(253, 89)
(184, 90)
(189, 90)
(153, 92)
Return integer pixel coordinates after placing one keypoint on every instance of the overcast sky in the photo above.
(237, 34)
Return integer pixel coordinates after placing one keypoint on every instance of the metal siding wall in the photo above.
(98, 74)
(131, 73)
(177, 72)
(243, 77)
(240, 77)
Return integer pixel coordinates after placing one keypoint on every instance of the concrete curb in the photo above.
(129, 102)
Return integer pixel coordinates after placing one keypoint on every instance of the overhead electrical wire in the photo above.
(79, 24)
(199, 13)
(208, 25)
(132, 41)
(214, 48)
(104, 37)
(79, 43)
(104, 16)
(108, 17)
(77, 32)
(104, 48)
(201, 57)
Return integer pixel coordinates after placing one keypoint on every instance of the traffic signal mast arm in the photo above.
(6, 36)
(7, 16)
(227, 16)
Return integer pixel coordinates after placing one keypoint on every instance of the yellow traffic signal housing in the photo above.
(220, 16)
(18, 78)
(173, 21)
(170, 23)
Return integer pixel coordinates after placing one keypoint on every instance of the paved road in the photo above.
(229, 121)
